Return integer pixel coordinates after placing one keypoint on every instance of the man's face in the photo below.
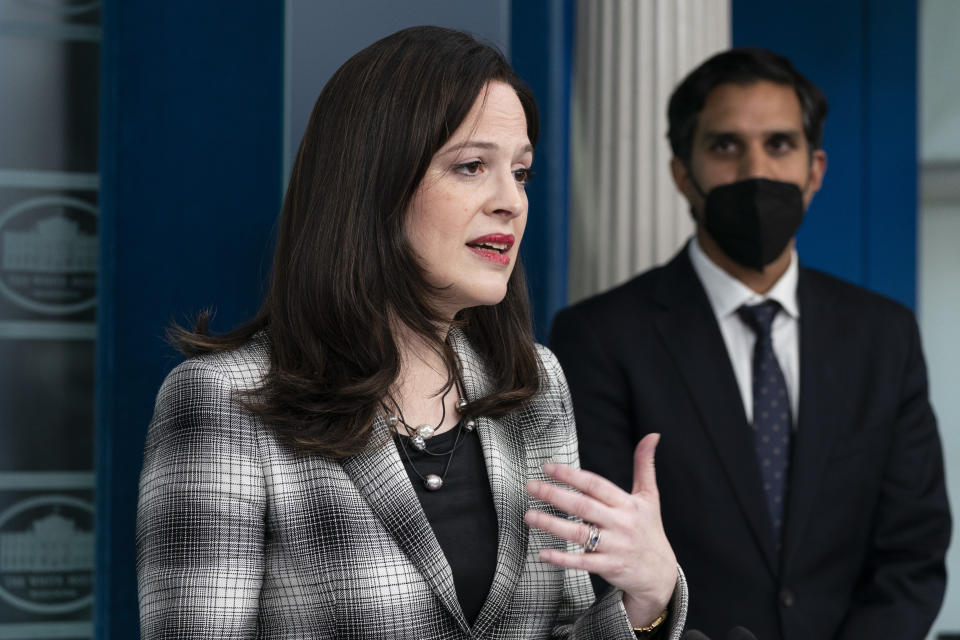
(749, 131)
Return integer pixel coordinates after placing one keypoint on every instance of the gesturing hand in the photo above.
(632, 553)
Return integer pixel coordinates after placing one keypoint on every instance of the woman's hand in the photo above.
(633, 553)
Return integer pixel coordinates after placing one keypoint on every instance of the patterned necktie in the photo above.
(771, 411)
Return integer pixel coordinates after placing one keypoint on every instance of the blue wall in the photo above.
(862, 226)
(541, 45)
(190, 163)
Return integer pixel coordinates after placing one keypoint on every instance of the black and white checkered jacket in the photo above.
(238, 536)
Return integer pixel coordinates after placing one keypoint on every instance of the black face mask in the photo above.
(753, 220)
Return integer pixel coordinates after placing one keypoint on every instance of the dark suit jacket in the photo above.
(867, 519)
(241, 537)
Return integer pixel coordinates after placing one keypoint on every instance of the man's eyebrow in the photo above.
(784, 132)
(480, 144)
(722, 133)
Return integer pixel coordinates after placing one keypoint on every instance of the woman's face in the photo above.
(467, 215)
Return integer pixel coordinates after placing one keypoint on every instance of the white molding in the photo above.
(47, 330)
(625, 213)
(31, 179)
(52, 30)
(940, 182)
(46, 630)
(45, 480)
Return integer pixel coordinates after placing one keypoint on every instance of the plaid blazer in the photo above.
(239, 536)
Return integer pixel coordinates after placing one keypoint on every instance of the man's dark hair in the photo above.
(742, 66)
(344, 275)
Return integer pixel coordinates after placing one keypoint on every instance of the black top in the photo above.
(461, 512)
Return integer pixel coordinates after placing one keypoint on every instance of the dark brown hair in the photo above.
(343, 267)
(745, 65)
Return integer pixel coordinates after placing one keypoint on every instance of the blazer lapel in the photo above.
(505, 458)
(821, 344)
(381, 478)
(690, 333)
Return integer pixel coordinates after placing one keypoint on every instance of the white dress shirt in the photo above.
(726, 295)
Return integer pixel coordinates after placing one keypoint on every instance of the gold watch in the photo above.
(641, 631)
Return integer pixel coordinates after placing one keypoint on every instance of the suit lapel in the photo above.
(820, 348)
(691, 335)
(505, 458)
(381, 478)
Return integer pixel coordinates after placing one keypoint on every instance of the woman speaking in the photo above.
(383, 452)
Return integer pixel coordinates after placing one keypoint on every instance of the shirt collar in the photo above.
(727, 294)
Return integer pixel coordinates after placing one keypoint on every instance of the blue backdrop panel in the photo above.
(863, 54)
(541, 52)
(190, 162)
(891, 148)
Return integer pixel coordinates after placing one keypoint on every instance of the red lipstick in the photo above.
(493, 247)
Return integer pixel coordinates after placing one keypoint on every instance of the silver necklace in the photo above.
(418, 437)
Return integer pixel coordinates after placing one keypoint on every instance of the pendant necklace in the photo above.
(418, 438)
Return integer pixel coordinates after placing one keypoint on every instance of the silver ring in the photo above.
(593, 539)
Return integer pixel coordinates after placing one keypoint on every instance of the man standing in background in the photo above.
(800, 469)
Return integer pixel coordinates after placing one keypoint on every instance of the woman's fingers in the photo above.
(578, 504)
(644, 473)
(633, 553)
(597, 499)
(588, 483)
(569, 530)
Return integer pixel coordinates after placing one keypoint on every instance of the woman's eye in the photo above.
(472, 168)
(523, 176)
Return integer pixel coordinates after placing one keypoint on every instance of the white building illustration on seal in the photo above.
(54, 245)
(52, 543)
